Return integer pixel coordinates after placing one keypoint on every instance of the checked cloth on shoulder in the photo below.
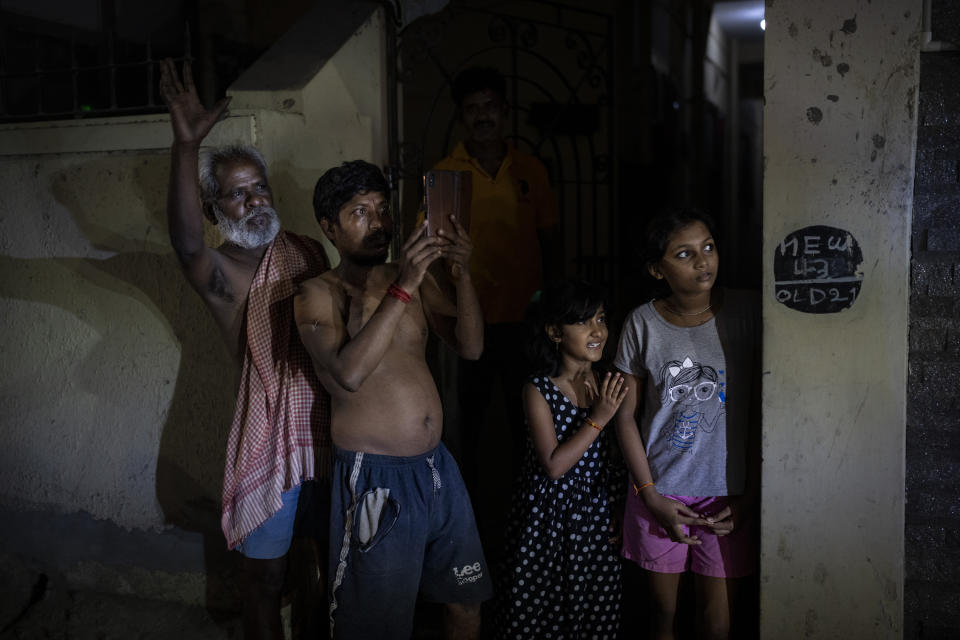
(280, 433)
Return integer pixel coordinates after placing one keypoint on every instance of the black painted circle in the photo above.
(817, 270)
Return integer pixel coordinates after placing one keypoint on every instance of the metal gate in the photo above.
(558, 63)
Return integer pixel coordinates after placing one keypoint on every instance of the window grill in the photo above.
(50, 71)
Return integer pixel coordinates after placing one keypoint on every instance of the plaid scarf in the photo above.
(280, 433)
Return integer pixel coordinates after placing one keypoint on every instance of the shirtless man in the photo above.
(279, 434)
(401, 519)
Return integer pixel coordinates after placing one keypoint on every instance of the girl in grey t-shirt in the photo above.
(689, 361)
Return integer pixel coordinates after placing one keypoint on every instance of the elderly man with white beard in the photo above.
(280, 435)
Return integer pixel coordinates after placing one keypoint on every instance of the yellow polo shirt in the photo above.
(506, 210)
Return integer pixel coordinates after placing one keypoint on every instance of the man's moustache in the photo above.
(265, 211)
(378, 238)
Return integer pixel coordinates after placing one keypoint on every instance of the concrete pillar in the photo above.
(839, 137)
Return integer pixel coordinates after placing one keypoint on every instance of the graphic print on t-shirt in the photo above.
(697, 394)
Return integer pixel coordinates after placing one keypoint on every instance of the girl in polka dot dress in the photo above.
(562, 572)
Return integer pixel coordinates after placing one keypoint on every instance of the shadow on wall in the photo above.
(193, 428)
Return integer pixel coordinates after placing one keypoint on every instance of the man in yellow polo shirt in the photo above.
(512, 213)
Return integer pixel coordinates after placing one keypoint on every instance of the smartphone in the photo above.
(447, 193)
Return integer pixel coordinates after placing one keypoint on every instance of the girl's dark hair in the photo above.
(339, 184)
(662, 225)
(658, 232)
(563, 302)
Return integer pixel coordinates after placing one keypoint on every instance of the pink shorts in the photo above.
(646, 543)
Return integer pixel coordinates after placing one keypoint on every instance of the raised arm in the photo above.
(556, 457)
(191, 123)
(669, 513)
(321, 310)
(460, 325)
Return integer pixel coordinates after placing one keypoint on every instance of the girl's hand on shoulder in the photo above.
(672, 515)
(607, 400)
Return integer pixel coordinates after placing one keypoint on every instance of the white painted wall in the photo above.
(339, 115)
(835, 384)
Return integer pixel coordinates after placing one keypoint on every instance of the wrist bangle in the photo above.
(638, 488)
(593, 424)
(396, 291)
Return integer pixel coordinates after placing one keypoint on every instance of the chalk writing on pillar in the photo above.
(817, 270)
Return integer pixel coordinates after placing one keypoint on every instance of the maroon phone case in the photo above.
(446, 193)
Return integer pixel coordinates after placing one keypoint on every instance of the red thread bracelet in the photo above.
(397, 292)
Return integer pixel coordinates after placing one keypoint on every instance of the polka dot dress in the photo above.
(561, 578)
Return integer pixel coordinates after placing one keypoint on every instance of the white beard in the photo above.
(239, 233)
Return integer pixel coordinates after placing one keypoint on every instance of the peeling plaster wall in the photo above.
(839, 135)
(116, 392)
(95, 316)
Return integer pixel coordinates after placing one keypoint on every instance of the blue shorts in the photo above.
(399, 526)
(272, 538)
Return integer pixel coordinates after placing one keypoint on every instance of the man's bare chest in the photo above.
(360, 309)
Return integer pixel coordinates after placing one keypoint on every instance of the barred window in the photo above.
(96, 58)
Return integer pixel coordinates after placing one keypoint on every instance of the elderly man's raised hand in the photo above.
(191, 121)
